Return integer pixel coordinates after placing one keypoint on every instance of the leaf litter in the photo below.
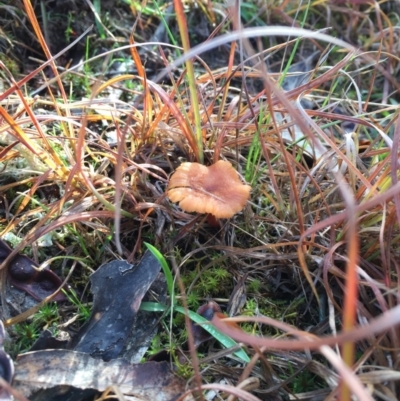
(25, 275)
(46, 375)
(95, 360)
(281, 213)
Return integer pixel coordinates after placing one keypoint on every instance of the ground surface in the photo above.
(88, 183)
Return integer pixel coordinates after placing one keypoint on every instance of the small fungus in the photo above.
(216, 189)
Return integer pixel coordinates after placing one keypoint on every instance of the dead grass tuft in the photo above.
(310, 120)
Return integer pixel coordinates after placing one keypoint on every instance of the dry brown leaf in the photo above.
(54, 371)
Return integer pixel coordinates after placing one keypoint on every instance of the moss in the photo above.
(11, 64)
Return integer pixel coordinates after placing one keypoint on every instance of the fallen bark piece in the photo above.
(146, 324)
(57, 374)
(118, 289)
(47, 340)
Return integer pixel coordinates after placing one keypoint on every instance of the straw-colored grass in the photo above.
(318, 241)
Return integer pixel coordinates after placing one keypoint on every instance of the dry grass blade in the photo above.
(381, 324)
(301, 99)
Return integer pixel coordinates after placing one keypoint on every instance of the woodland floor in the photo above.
(83, 182)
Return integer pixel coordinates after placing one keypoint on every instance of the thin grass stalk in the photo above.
(19, 133)
(296, 45)
(305, 340)
(352, 381)
(351, 292)
(228, 75)
(147, 104)
(394, 166)
(195, 360)
(36, 27)
(118, 185)
(31, 192)
(183, 30)
(39, 35)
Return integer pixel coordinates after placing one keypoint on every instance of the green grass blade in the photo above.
(167, 271)
(225, 340)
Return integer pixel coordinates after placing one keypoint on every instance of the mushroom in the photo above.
(216, 189)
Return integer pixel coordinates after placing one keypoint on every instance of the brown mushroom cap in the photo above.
(216, 189)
